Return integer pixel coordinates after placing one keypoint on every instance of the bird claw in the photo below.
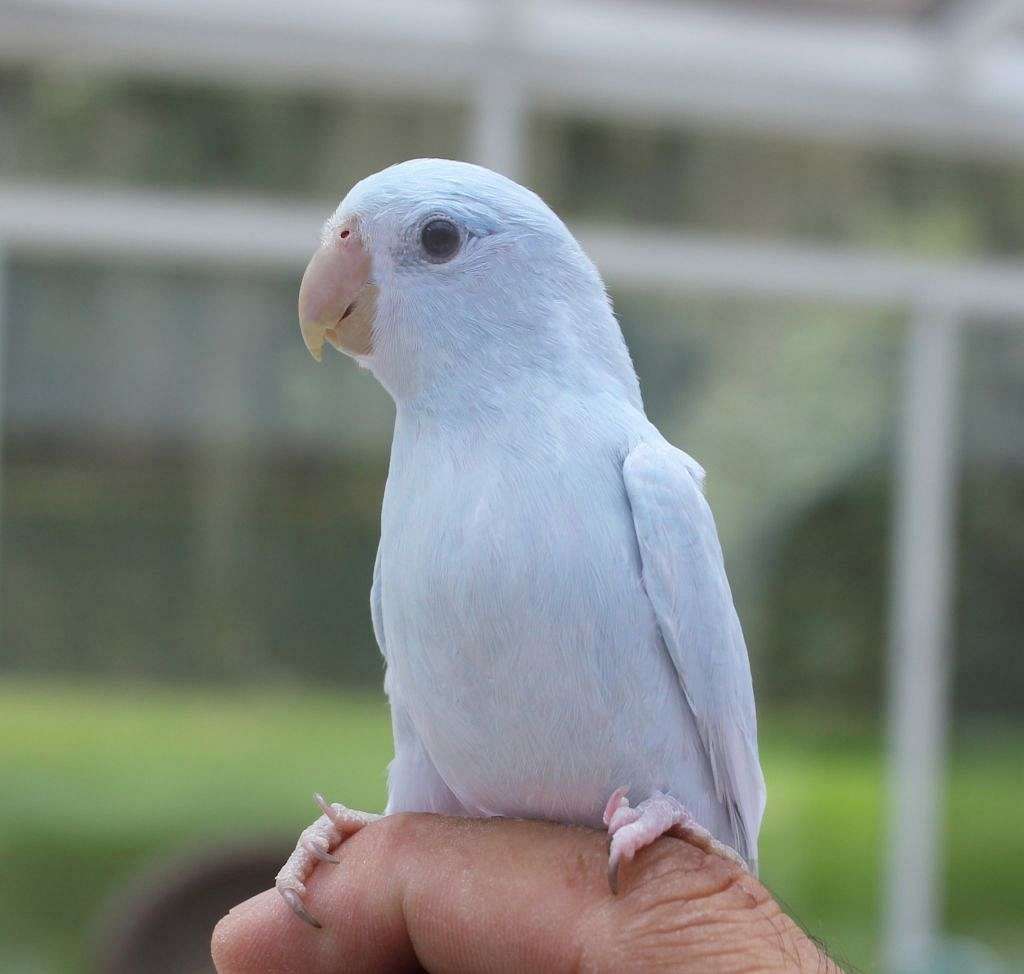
(613, 874)
(319, 850)
(326, 807)
(616, 853)
(631, 829)
(293, 899)
(617, 801)
(315, 844)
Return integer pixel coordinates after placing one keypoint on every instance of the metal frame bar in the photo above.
(151, 225)
(4, 275)
(868, 82)
(498, 136)
(923, 559)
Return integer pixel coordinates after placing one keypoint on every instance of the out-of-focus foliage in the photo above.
(100, 778)
(136, 131)
(187, 497)
(833, 555)
(772, 186)
(835, 558)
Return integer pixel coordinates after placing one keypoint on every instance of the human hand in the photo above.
(486, 896)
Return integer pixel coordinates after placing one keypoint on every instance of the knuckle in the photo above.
(394, 833)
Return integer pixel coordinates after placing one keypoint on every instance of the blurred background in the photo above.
(811, 219)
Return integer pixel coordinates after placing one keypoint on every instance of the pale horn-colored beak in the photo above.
(336, 304)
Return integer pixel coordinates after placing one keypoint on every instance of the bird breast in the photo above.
(514, 618)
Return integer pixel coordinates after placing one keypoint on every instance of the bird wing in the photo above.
(684, 577)
(376, 612)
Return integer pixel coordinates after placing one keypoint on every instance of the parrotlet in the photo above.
(549, 593)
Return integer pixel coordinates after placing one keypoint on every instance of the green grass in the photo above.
(94, 782)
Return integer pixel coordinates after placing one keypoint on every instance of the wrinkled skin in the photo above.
(419, 892)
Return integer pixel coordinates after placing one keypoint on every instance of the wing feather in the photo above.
(684, 577)
(376, 610)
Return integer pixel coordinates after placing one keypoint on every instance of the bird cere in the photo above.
(549, 593)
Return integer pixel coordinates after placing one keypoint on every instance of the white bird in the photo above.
(549, 593)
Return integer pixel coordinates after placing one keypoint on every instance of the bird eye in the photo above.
(440, 239)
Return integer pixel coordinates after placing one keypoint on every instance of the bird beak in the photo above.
(336, 304)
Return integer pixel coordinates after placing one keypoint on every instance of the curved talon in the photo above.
(318, 849)
(632, 829)
(327, 808)
(298, 908)
(622, 817)
(314, 846)
(618, 800)
(613, 874)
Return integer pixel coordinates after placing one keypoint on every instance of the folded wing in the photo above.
(684, 576)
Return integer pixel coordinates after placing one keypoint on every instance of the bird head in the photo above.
(451, 282)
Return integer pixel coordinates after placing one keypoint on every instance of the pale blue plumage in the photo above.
(549, 593)
(684, 576)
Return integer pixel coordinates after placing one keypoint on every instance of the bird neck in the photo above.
(481, 366)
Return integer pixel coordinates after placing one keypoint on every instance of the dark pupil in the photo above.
(440, 238)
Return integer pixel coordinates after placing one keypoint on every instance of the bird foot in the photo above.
(632, 828)
(316, 844)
